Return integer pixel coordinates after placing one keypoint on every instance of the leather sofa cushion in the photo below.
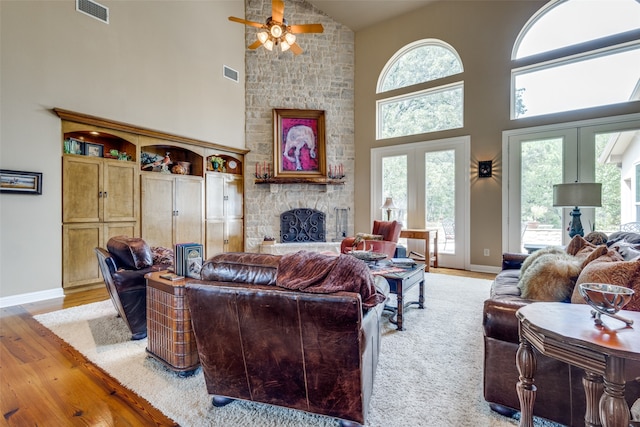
(130, 253)
(258, 269)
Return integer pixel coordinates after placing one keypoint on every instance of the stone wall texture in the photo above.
(321, 78)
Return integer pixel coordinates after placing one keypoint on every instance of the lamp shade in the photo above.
(388, 204)
(584, 194)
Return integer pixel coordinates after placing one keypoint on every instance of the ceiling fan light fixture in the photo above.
(290, 38)
(263, 36)
(284, 45)
(268, 44)
(276, 31)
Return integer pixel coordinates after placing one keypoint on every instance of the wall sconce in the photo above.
(485, 168)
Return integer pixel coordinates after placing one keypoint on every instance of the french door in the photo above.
(428, 183)
(603, 151)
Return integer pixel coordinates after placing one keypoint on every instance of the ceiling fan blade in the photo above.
(256, 44)
(245, 22)
(277, 10)
(306, 28)
(296, 49)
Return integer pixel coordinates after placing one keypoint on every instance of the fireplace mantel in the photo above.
(323, 182)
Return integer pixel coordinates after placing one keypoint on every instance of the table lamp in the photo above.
(585, 194)
(388, 206)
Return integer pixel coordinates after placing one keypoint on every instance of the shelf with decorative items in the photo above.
(224, 163)
(95, 143)
(264, 174)
(170, 159)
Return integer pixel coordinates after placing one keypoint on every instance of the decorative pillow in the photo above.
(550, 277)
(130, 253)
(623, 273)
(162, 255)
(537, 254)
(628, 251)
(602, 254)
(596, 238)
(365, 236)
(578, 244)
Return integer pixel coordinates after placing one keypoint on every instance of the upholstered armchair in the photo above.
(383, 238)
(123, 266)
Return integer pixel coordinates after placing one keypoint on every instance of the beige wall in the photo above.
(483, 33)
(158, 64)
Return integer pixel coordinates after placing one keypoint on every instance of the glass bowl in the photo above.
(606, 299)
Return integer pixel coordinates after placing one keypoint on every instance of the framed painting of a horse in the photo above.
(299, 143)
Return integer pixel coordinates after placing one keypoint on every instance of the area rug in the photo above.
(428, 375)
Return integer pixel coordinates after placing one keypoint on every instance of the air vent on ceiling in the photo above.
(230, 73)
(93, 9)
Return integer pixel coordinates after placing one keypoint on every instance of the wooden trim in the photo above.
(112, 124)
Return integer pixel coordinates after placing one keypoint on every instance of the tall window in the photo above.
(576, 54)
(419, 106)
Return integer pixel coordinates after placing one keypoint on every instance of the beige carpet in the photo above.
(428, 375)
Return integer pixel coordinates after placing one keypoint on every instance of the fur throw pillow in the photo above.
(623, 273)
(537, 254)
(596, 238)
(550, 276)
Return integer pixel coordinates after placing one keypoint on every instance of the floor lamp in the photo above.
(585, 194)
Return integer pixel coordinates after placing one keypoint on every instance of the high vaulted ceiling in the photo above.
(359, 14)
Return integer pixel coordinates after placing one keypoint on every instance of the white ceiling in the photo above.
(359, 14)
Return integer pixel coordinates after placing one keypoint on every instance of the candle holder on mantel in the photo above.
(336, 172)
(263, 171)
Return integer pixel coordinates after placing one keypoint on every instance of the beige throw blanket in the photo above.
(324, 274)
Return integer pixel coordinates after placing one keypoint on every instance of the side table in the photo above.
(426, 235)
(401, 282)
(170, 337)
(567, 332)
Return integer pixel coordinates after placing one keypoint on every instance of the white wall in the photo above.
(157, 64)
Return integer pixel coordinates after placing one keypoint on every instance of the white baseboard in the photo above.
(485, 268)
(31, 297)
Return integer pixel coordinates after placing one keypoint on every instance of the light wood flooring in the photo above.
(44, 381)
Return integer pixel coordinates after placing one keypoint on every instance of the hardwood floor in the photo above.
(44, 381)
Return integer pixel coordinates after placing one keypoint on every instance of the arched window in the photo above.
(576, 54)
(425, 108)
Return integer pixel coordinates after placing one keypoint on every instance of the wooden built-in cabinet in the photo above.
(224, 213)
(172, 209)
(106, 192)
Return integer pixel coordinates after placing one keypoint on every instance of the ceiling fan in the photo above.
(275, 31)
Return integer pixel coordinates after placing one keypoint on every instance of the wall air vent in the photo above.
(230, 73)
(93, 9)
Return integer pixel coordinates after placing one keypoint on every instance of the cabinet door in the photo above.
(79, 261)
(234, 197)
(112, 229)
(215, 196)
(234, 235)
(215, 238)
(120, 191)
(189, 205)
(81, 189)
(157, 210)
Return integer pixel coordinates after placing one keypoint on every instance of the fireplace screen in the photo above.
(302, 225)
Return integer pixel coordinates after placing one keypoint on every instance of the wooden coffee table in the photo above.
(170, 338)
(399, 284)
(567, 332)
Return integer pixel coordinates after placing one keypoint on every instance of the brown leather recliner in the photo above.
(389, 232)
(123, 266)
(264, 343)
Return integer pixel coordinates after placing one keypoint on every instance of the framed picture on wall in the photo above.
(20, 182)
(299, 143)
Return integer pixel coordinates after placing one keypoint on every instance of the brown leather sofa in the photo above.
(560, 393)
(123, 266)
(264, 343)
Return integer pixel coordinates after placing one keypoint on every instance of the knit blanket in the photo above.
(324, 274)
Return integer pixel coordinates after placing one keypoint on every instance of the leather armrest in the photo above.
(499, 319)
(128, 280)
